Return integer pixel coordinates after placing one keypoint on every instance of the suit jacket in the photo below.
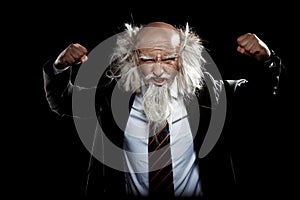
(224, 170)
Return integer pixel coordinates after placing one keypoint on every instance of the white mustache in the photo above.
(162, 77)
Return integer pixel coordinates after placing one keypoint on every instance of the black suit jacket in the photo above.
(222, 171)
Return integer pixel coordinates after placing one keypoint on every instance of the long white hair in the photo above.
(124, 62)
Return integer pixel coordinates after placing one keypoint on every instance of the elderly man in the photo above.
(164, 68)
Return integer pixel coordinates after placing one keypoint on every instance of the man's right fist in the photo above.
(74, 54)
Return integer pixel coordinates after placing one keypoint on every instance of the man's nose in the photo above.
(158, 69)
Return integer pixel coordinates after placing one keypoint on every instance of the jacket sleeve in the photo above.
(58, 89)
(267, 81)
(67, 99)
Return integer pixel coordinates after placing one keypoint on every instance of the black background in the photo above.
(45, 155)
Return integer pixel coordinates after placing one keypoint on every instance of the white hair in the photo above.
(124, 62)
(158, 107)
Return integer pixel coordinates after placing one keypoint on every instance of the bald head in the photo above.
(158, 35)
(160, 25)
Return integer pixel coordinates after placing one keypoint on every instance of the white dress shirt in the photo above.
(185, 170)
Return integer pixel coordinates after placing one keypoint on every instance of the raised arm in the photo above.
(271, 66)
(57, 84)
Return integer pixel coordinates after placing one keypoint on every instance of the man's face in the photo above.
(158, 66)
(158, 54)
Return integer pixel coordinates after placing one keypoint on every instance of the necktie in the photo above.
(160, 163)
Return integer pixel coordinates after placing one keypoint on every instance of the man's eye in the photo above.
(169, 59)
(147, 59)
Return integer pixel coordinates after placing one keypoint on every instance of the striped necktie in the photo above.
(160, 163)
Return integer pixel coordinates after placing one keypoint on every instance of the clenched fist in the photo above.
(74, 54)
(251, 45)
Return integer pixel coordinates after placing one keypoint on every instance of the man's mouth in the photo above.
(159, 81)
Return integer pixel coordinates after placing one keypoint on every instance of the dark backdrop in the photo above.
(48, 158)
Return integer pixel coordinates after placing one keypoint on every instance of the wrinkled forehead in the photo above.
(158, 38)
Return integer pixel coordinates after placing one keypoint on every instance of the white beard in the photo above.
(157, 106)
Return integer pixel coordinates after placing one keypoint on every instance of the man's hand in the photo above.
(74, 54)
(251, 45)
